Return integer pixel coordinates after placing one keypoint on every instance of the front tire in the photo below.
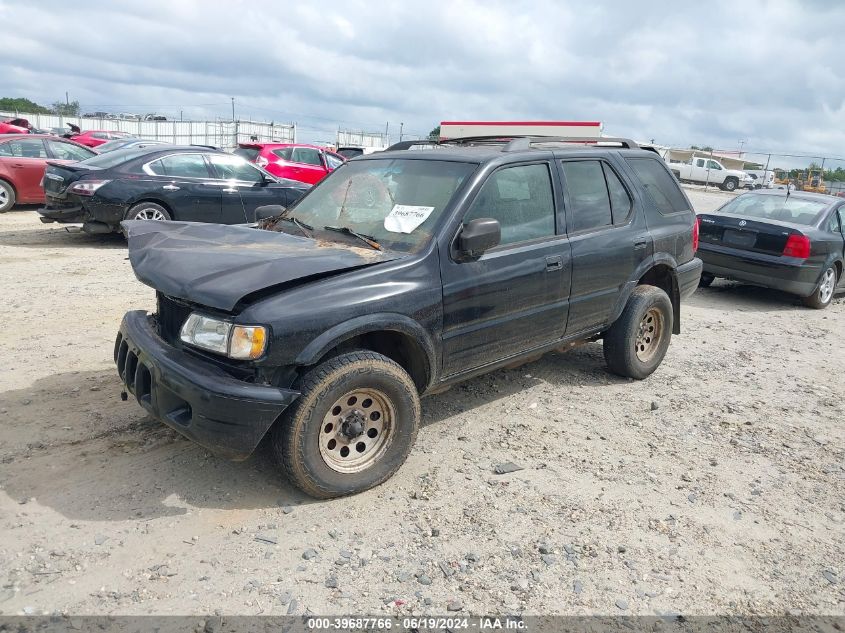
(636, 343)
(730, 184)
(823, 294)
(148, 211)
(352, 427)
(7, 196)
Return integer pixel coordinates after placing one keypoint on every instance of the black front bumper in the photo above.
(201, 401)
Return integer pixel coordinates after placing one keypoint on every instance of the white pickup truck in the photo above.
(706, 170)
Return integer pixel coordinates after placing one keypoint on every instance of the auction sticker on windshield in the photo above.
(404, 218)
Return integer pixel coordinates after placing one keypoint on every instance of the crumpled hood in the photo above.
(217, 265)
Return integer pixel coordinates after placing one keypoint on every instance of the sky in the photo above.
(761, 75)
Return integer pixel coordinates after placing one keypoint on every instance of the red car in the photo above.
(23, 159)
(305, 163)
(93, 138)
(14, 126)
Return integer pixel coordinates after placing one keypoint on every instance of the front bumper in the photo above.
(771, 271)
(688, 276)
(204, 403)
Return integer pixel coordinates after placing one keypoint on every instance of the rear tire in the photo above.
(823, 294)
(7, 196)
(352, 427)
(148, 211)
(677, 175)
(636, 343)
(705, 280)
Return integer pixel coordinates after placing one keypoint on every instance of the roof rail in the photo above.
(525, 142)
(410, 144)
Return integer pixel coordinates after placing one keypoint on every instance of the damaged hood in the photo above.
(217, 265)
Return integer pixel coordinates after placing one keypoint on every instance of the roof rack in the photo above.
(515, 143)
(410, 144)
(525, 142)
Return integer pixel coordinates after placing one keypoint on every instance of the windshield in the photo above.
(397, 202)
(767, 207)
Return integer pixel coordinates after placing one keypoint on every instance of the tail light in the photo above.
(797, 246)
(695, 229)
(261, 161)
(87, 187)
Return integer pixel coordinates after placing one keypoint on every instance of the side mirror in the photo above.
(268, 211)
(478, 236)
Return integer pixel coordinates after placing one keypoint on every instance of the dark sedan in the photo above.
(787, 241)
(187, 183)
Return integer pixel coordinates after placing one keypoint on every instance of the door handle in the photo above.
(230, 190)
(170, 188)
(554, 262)
(17, 165)
(640, 244)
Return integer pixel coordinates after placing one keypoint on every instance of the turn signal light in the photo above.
(797, 246)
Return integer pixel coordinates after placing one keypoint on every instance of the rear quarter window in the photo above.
(661, 188)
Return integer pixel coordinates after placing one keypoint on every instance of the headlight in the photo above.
(215, 335)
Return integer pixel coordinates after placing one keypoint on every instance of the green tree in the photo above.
(20, 104)
(66, 109)
(434, 134)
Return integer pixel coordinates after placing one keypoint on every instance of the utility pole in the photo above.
(387, 132)
(67, 99)
(233, 108)
(741, 142)
(401, 125)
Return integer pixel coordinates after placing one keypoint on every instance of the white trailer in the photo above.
(575, 129)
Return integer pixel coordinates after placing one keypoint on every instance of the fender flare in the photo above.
(647, 264)
(371, 323)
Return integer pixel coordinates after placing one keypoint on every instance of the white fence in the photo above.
(224, 134)
(350, 138)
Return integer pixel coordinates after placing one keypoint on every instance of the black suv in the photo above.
(400, 274)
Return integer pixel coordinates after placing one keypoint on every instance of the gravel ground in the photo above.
(715, 486)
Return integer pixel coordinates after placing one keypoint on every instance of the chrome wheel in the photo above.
(357, 430)
(149, 214)
(827, 285)
(4, 197)
(649, 334)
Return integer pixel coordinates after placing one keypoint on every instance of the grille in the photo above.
(171, 316)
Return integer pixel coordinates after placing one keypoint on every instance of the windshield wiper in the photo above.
(299, 224)
(369, 239)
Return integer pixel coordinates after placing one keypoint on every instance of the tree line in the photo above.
(20, 104)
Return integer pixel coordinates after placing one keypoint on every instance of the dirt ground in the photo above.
(715, 486)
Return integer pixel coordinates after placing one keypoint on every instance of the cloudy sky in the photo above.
(769, 73)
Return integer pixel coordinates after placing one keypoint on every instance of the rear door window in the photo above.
(180, 166)
(661, 188)
(306, 155)
(589, 200)
(284, 153)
